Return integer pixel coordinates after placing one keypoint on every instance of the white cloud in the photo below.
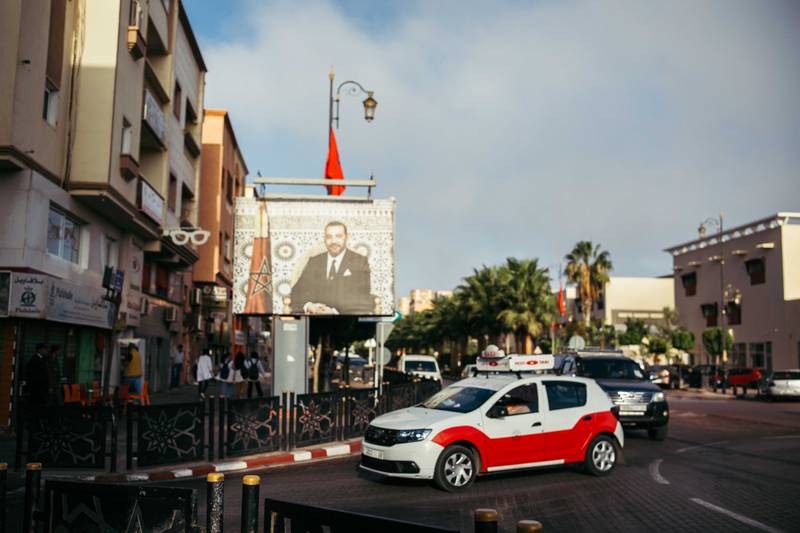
(519, 128)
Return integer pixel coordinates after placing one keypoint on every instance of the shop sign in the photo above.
(215, 296)
(152, 203)
(28, 295)
(5, 292)
(75, 304)
(133, 294)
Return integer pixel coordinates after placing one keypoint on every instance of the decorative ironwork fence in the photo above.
(314, 418)
(167, 434)
(67, 437)
(361, 406)
(250, 426)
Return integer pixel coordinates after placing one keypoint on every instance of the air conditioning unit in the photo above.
(145, 307)
(170, 314)
(196, 296)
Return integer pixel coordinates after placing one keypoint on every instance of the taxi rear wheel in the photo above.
(601, 456)
(456, 468)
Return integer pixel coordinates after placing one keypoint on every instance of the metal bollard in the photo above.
(485, 521)
(3, 480)
(215, 497)
(529, 526)
(250, 488)
(33, 479)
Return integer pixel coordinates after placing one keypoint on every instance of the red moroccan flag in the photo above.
(562, 305)
(259, 286)
(333, 168)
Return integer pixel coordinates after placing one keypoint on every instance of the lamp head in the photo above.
(369, 107)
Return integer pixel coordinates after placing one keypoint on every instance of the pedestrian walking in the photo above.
(253, 370)
(239, 362)
(229, 376)
(132, 373)
(37, 382)
(205, 373)
(177, 366)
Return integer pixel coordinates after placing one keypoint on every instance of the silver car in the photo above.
(781, 384)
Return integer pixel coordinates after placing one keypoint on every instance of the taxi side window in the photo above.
(521, 400)
(565, 394)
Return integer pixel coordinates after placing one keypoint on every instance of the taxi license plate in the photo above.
(375, 454)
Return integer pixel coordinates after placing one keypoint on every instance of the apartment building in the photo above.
(747, 281)
(222, 180)
(422, 300)
(100, 131)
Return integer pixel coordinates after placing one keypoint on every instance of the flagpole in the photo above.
(330, 106)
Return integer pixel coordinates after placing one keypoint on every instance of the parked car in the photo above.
(660, 375)
(744, 378)
(642, 404)
(781, 384)
(494, 422)
(356, 370)
(467, 370)
(424, 366)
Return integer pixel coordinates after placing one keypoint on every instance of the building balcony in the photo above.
(154, 134)
(128, 167)
(136, 42)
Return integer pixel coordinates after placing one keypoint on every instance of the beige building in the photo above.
(747, 282)
(222, 179)
(419, 300)
(100, 129)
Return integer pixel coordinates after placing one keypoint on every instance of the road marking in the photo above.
(657, 477)
(782, 437)
(689, 448)
(743, 519)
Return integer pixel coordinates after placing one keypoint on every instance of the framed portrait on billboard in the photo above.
(314, 257)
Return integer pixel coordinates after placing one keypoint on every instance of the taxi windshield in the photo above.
(611, 369)
(458, 399)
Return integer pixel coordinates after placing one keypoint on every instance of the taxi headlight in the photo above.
(411, 435)
(657, 397)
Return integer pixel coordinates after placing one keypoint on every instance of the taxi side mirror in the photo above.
(497, 411)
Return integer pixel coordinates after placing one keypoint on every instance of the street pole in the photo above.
(330, 106)
(723, 314)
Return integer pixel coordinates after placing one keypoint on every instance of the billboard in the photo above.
(314, 257)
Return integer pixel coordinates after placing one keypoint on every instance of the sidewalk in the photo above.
(182, 394)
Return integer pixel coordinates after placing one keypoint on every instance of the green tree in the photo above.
(713, 339)
(635, 331)
(525, 301)
(657, 345)
(682, 339)
(588, 267)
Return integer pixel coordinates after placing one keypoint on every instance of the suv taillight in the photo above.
(615, 411)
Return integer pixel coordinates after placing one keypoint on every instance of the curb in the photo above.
(244, 464)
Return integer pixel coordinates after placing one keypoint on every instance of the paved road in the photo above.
(728, 464)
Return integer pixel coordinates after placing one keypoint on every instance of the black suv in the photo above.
(642, 405)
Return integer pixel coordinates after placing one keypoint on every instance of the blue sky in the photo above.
(513, 128)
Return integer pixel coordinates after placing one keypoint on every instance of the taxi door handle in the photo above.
(536, 424)
(587, 417)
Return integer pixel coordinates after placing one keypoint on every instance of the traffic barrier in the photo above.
(250, 489)
(529, 526)
(485, 520)
(3, 482)
(215, 499)
(33, 483)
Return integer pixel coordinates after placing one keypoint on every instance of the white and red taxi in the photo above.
(504, 418)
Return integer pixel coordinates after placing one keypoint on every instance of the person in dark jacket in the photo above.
(37, 382)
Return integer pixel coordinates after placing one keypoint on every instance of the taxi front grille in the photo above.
(395, 467)
(630, 397)
(379, 436)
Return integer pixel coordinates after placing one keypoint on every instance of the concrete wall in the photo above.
(644, 298)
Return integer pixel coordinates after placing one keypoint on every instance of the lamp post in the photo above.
(352, 88)
(701, 230)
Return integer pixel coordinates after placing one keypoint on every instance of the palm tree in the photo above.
(588, 267)
(527, 307)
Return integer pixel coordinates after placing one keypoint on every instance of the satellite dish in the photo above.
(384, 355)
(576, 342)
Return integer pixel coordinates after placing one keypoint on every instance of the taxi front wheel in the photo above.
(601, 456)
(456, 468)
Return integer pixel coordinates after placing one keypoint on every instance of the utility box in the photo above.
(290, 370)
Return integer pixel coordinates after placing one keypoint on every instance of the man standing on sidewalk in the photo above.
(177, 366)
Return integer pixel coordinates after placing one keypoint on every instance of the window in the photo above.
(710, 314)
(458, 399)
(127, 136)
(734, 313)
(229, 187)
(565, 394)
(50, 106)
(177, 101)
(757, 354)
(739, 354)
(756, 269)
(689, 282)
(172, 192)
(63, 236)
(135, 14)
(111, 251)
(521, 400)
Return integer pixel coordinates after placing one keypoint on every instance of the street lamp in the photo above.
(701, 230)
(353, 88)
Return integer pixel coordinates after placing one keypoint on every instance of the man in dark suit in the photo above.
(334, 282)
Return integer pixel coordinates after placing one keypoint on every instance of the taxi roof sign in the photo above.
(516, 363)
